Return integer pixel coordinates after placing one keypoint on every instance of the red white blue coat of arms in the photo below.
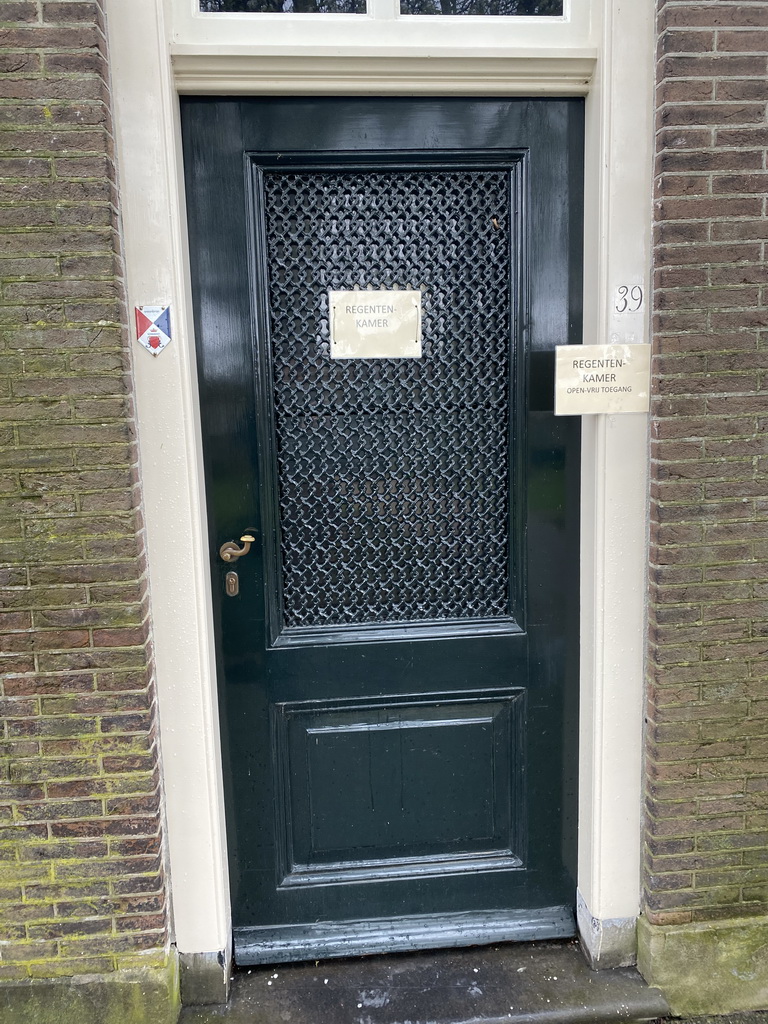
(153, 327)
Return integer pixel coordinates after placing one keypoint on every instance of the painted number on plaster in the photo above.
(629, 298)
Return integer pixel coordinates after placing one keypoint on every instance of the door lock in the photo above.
(230, 552)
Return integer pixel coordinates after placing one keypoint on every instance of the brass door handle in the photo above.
(230, 552)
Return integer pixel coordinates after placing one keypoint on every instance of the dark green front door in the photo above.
(398, 667)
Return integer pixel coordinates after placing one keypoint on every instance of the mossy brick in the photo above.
(81, 113)
(94, 703)
(33, 291)
(98, 362)
(47, 640)
(82, 525)
(15, 620)
(18, 11)
(120, 868)
(92, 215)
(10, 894)
(74, 63)
(53, 727)
(16, 663)
(38, 505)
(29, 216)
(157, 957)
(119, 785)
(103, 906)
(137, 884)
(72, 338)
(24, 872)
(73, 267)
(100, 409)
(80, 480)
(19, 952)
(71, 386)
(32, 458)
(134, 804)
(56, 11)
(113, 785)
(142, 923)
(24, 913)
(55, 893)
(92, 659)
(81, 745)
(63, 140)
(105, 501)
(33, 684)
(50, 243)
(24, 411)
(131, 745)
(97, 827)
(54, 850)
(42, 769)
(98, 945)
(100, 548)
(103, 615)
(65, 929)
(43, 597)
(61, 968)
(74, 435)
(106, 572)
(93, 167)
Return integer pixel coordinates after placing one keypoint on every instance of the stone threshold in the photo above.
(522, 983)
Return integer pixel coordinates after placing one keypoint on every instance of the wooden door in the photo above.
(398, 668)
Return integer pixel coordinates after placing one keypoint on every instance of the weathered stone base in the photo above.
(607, 942)
(710, 967)
(145, 995)
(205, 977)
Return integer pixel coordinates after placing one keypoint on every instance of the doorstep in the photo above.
(525, 983)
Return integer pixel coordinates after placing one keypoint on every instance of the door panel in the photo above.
(390, 760)
(391, 474)
(398, 672)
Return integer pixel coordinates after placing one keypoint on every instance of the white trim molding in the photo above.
(617, 245)
(491, 75)
(154, 236)
(382, 29)
(605, 52)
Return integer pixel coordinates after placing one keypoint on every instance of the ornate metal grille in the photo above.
(393, 474)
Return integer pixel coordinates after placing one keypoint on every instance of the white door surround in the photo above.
(601, 49)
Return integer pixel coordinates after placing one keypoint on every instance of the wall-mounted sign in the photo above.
(153, 327)
(375, 325)
(602, 378)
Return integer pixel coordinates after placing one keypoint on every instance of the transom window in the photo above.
(481, 8)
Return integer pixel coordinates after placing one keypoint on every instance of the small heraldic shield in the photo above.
(153, 327)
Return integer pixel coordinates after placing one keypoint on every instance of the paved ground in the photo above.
(547, 983)
(756, 1017)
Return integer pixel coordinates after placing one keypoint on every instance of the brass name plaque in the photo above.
(375, 325)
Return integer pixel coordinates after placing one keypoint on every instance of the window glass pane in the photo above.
(283, 6)
(539, 8)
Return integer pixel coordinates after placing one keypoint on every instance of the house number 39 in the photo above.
(629, 298)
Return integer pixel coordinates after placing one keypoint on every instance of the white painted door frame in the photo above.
(603, 50)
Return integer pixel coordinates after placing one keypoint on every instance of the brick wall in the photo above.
(81, 873)
(707, 748)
